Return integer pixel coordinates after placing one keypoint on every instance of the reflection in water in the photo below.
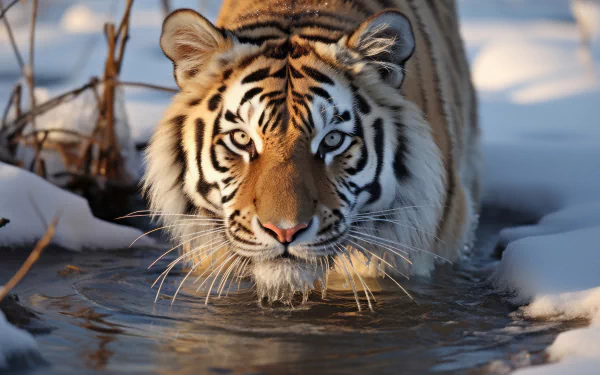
(106, 319)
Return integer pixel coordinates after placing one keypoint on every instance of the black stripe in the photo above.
(260, 25)
(227, 198)
(214, 101)
(251, 94)
(256, 76)
(364, 153)
(269, 95)
(317, 76)
(363, 105)
(281, 73)
(276, 122)
(261, 119)
(194, 102)
(319, 38)
(213, 154)
(320, 92)
(227, 74)
(374, 188)
(179, 151)
(312, 23)
(258, 40)
(400, 169)
(203, 187)
(295, 73)
(231, 117)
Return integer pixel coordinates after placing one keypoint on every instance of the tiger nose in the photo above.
(285, 235)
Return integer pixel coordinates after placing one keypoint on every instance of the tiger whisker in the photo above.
(436, 256)
(187, 275)
(228, 271)
(350, 279)
(164, 227)
(378, 257)
(166, 273)
(158, 213)
(173, 248)
(385, 246)
(215, 278)
(394, 222)
(236, 274)
(212, 267)
(241, 275)
(400, 286)
(366, 289)
(370, 213)
(204, 232)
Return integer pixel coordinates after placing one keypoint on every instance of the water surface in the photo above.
(104, 320)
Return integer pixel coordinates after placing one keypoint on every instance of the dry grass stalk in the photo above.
(31, 259)
(90, 160)
(3, 9)
(13, 101)
(36, 166)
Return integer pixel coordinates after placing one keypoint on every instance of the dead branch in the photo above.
(166, 7)
(148, 86)
(17, 126)
(3, 10)
(13, 101)
(30, 261)
(123, 33)
(30, 78)
(11, 37)
(43, 132)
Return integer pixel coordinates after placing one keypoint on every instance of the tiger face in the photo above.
(290, 143)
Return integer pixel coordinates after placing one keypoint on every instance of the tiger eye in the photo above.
(241, 138)
(333, 139)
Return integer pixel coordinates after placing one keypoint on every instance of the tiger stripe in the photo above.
(344, 108)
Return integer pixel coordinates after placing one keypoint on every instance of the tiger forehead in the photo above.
(278, 88)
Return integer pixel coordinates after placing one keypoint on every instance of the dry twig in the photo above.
(30, 261)
(148, 86)
(3, 10)
(13, 101)
(17, 126)
(11, 37)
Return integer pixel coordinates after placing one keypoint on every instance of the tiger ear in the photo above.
(386, 39)
(190, 41)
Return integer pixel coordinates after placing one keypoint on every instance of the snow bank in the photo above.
(14, 342)
(78, 229)
(539, 110)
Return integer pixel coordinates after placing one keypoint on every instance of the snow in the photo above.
(14, 342)
(539, 94)
(77, 229)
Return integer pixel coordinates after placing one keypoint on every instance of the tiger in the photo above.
(313, 137)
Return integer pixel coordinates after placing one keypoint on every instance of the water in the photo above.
(104, 320)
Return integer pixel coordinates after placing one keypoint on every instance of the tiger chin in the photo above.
(317, 138)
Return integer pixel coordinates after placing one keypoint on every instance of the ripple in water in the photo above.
(106, 319)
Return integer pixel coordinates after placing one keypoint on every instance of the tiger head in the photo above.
(287, 144)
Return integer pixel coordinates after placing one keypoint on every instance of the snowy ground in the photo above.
(540, 96)
(14, 342)
(540, 110)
